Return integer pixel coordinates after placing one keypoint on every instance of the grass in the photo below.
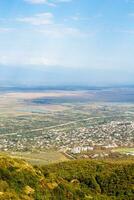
(40, 158)
(124, 150)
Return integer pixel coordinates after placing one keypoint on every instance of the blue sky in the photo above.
(80, 41)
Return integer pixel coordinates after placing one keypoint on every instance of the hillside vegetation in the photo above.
(73, 180)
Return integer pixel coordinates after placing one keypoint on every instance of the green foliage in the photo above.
(73, 180)
(113, 179)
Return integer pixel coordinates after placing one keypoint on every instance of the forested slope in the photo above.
(73, 180)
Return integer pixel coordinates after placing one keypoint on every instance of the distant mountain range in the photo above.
(54, 75)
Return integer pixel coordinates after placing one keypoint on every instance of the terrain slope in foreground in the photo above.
(72, 180)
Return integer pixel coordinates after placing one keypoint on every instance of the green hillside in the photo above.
(73, 180)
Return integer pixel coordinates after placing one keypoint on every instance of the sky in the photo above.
(48, 42)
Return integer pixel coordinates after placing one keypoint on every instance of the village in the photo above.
(73, 140)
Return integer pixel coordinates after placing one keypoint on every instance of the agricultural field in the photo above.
(38, 158)
(128, 151)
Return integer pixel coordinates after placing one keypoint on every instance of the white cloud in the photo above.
(21, 59)
(48, 2)
(129, 1)
(38, 19)
(36, 1)
(52, 29)
(127, 31)
(59, 31)
(78, 17)
(4, 30)
(131, 14)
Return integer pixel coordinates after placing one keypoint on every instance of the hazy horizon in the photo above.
(58, 76)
